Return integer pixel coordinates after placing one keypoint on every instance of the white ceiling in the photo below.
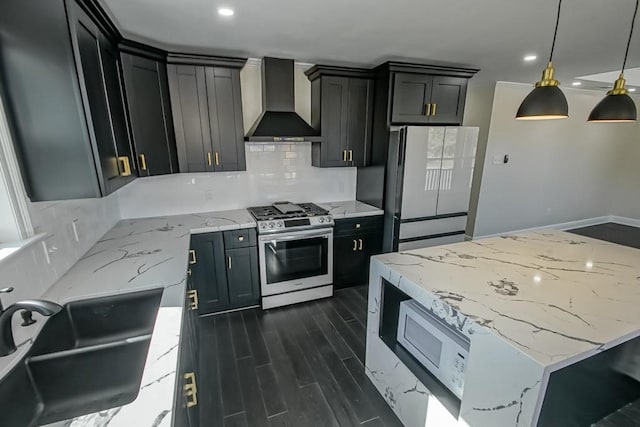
(492, 35)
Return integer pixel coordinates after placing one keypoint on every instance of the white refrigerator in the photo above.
(428, 186)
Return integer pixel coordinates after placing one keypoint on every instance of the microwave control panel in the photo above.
(457, 379)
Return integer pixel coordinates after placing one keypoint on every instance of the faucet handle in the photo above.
(6, 290)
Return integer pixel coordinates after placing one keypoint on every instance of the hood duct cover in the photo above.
(279, 121)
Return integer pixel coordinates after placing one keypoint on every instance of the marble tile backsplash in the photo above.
(72, 227)
(274, 172)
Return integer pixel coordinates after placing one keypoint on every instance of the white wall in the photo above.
(477, 112)
(274, 172)
(32, 270)
(626, 188)
(559, 170)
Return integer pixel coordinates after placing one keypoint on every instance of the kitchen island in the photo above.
(530, 305)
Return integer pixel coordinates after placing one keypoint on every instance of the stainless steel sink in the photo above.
(87, 358)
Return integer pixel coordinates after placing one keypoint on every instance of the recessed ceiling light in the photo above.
(225, 11)
(632, 89)
(576, 83)
(530, 58)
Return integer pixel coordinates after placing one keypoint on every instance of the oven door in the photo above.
(296, 260)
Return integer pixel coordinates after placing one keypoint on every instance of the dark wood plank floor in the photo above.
(301, 365)
(611, 232)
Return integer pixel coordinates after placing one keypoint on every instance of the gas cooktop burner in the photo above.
(286, 210)
(285, 216)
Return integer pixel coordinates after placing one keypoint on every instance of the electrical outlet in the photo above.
(208, 195)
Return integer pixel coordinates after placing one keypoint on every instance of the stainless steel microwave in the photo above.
(440, 348)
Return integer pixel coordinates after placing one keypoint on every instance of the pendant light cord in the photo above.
(555, 33)
(633, 23)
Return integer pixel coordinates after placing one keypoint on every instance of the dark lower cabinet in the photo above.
(224, 270)
(185, 406)
(355, 241)
(208, 272)
(242, 276)
(147, 94)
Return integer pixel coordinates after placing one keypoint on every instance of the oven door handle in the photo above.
(275, 238)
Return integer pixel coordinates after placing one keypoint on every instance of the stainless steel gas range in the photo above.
(295, 246)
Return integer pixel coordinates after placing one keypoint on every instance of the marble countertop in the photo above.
(555, 296)
(350, 209)
(134, 255)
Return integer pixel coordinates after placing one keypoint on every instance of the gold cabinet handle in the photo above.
(192, 255)
(229, 263)
(355, 245)
(427, 109)
(193, 296)
(189, 272)
(344, 155)
(143, 162)
(190, 389)
(433, 112)
(358, 225)
(209, 158)
(351, 155)
(240, 238)
(217, 156)
(360, 247)
(124, 167)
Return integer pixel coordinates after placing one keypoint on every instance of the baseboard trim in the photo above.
(568, 225)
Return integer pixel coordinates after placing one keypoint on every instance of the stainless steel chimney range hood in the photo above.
(278, 121)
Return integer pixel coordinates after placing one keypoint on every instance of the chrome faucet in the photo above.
(46, 308)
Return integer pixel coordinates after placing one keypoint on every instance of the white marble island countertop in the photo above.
(553, 295)
(350, 209)
(134, 255)
(530, 304)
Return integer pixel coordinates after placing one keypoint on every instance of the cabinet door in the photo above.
(154, 145)
(447, 100)
(191, 118)
(347, 261)
(225, 118)
(119, 123)
(86, 44)
(207, 263)
(370, 244)
(334, 121)
(242, 276)
(359, 119)
(458, 160)
(411, 94)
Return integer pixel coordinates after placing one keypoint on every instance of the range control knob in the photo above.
(329, 219)
(279, 224)
(271, 225)
(263, 225)
(321, 220)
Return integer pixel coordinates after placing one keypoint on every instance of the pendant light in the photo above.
(546, 101)
(617, 106)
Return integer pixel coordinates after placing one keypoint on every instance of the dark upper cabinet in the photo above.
(43, 103)
(415, 94)
(242, 276)
(356, 240)
(428, 99)
(147, 94)
(342, 110)
(207, 114)
(225, 118)
(224, 270)
(98, 68)
(448, 95)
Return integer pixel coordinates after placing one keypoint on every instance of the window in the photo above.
(15, 224)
